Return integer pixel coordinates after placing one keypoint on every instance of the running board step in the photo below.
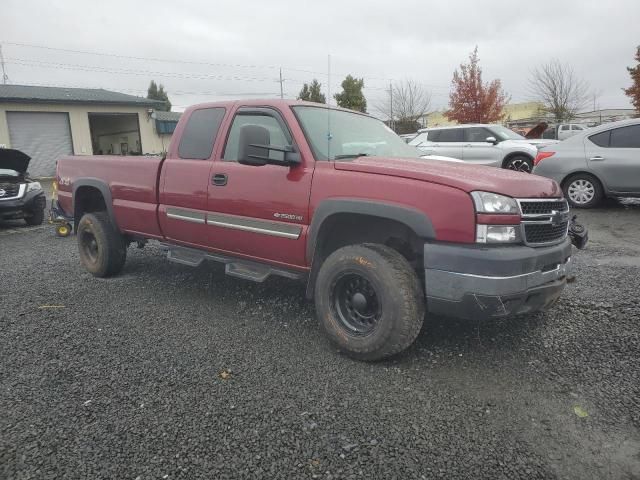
(234, 267)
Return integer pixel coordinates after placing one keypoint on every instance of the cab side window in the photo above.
(277, 135)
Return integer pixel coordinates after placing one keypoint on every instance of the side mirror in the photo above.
(491, 140)
(291, 156)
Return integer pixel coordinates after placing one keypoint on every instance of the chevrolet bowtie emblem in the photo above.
(558, 218)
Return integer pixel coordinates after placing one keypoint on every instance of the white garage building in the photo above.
(50, 122)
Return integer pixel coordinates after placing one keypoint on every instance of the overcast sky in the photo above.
(236, 48)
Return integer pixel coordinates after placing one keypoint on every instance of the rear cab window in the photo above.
(199, 135)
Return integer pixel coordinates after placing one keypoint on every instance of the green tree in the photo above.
(156, 92)
(351, 96)
(312, 93)
(633, 92)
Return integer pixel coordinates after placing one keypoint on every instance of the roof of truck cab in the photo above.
(269, 102)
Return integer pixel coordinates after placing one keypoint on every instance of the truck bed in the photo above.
(132, 181)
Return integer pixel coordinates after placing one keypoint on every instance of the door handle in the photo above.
(219, 179)
(467, 145)
(597, 158)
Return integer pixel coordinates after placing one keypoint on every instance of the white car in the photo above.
(492, 145)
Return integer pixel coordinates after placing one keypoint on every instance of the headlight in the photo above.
(497, 233)
(487, 202)
(33, 186)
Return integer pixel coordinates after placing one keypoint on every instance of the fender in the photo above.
(101, 186)
(411, 217)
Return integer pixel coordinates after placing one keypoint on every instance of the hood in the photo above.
(14, 160)
(458, 175)
(537, 131)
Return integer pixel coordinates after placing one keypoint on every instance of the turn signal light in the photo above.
(541, 156)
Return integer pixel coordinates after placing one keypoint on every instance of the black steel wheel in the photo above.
(356, 304)
(369, 301)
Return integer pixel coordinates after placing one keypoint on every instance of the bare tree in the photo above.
(405, 104)
(556, 85)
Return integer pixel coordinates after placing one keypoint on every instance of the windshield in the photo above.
(505, 134)
(340, 135)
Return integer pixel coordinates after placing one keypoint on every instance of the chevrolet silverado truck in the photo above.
(335, 199)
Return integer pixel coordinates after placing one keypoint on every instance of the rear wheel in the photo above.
(103, 250)
(583, 190)
(369, 301)
(519, 163)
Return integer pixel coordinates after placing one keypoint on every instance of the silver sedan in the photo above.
(600, 162)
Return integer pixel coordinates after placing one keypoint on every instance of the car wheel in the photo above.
(519, 163)
(36, 217)
(583, 190)
(103, 250)
(369, 301)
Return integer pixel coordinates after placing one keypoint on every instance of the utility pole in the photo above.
(281, 81)
(391, 122)
(5, 77)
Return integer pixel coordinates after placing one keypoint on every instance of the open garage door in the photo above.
(115, 133)
(44, 136)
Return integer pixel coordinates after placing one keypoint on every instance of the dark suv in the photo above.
(20, 197)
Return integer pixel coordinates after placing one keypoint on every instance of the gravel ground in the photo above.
(172, 372)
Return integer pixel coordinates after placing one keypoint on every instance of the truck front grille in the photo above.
(10, 190)
(545, 233)
(530, 207)
(544, 221)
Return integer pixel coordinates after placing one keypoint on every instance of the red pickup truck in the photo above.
(333, 198)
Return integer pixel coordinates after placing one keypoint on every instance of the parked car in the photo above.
(407, 137)
(600, 162)
(492, 145)
(377, 237)
(20, 196)
(567, 130)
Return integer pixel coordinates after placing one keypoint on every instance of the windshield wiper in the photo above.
(351, 155)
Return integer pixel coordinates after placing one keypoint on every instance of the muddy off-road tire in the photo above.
(103, 250)
(369, 301)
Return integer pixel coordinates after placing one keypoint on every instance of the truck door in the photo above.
(260, 211)
(185, 179)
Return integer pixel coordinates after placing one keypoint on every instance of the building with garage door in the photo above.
(50, 122)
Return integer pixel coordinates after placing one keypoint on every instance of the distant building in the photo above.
(605, 115)
(513, 112)
(49, 122)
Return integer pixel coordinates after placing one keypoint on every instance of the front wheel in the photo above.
(103, 250)
(36, 217)
(519, 164)
(369, 301)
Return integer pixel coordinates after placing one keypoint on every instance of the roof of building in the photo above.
(168, 116)
(608, 112)
(38, 94)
